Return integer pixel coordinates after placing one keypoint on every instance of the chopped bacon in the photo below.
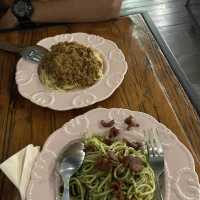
(133, 163)
(104, 164)
(117, 188)
(130, 122)
(107, 124)
(120, 195)
(108, 141)
(89, 148)
(135, 145)
(126, 160)
(114, 132)
(136, 165)
(116, 185)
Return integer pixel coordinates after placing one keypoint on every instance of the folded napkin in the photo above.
(18, 167)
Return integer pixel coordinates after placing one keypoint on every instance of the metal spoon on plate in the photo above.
(69, 161)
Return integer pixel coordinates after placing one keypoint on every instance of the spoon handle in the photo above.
(10, 47)
(66, 191)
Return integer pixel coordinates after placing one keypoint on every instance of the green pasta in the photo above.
(92, 183)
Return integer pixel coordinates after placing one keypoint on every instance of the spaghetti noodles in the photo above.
(114, 171)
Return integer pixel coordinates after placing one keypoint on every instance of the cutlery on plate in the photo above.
(68, 162)
(156, 160)
(33, 53)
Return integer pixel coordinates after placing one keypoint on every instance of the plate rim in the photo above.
(168, 131)
(71, 107)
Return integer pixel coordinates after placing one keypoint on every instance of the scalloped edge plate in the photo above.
(115, 68)
(181, 179)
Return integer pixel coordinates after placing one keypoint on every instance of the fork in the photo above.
(156, 158)
(33, 53)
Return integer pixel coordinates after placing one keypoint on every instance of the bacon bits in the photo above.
(117, 189)
(133, 163)
(107, 124)
(130, 122)
(114, 132)
(89, 148)
(119, 195)
(136, 165)
(126, 160)
(116, 185)
(136, 145)
(108, 141)
(104, 164)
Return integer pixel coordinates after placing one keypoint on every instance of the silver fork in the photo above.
(33, 53)
(156, 159)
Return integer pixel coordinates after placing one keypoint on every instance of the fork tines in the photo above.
(153, 144)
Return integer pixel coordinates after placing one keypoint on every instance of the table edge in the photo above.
(173, 63)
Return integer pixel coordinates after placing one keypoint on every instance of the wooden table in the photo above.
(149, 86)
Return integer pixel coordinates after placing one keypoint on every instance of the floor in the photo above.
(177, 28)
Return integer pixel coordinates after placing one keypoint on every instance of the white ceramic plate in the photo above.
(115, 67)
(181, 179)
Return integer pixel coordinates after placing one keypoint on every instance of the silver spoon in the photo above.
(69, 161)
(33, 53)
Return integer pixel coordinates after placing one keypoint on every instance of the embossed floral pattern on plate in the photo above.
(115, 68)
(181, 179)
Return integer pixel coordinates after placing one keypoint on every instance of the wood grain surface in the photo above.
(149, 86)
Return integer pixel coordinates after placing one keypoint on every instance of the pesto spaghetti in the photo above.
(113, 170)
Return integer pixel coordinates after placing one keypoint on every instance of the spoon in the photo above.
(68, 162)
(33, 53)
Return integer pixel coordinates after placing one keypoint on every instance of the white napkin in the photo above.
(18, 167)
